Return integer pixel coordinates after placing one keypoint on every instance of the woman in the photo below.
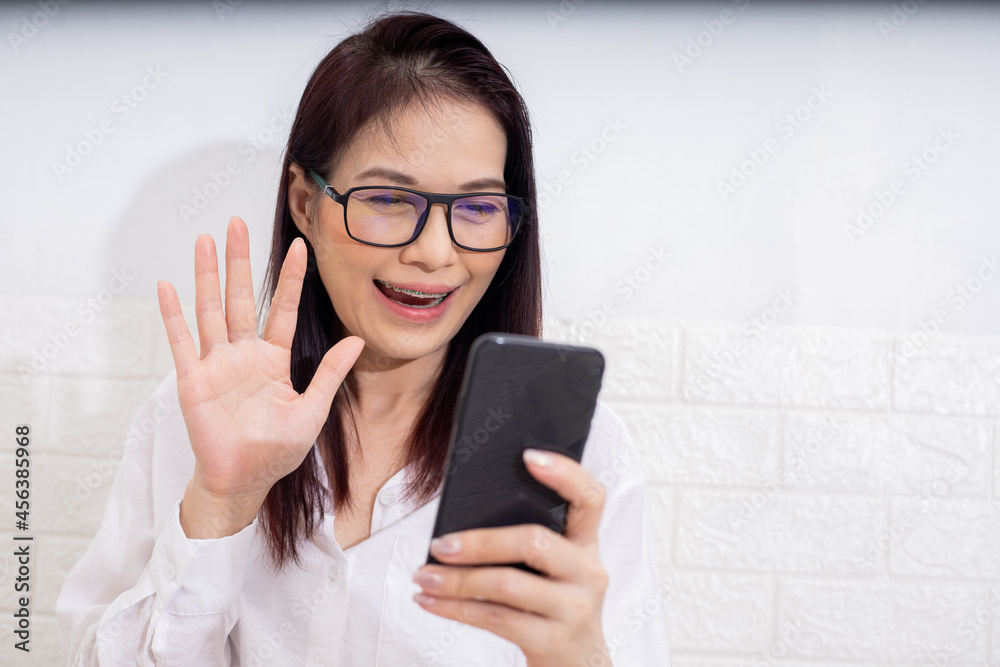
(276, 510)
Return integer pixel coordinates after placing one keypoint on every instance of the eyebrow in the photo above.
(402, 179)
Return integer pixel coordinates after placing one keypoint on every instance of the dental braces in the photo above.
(415, 293)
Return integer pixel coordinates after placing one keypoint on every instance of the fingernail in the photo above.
(425, 600)
(446, 546)
(428, 579)
(537, 457)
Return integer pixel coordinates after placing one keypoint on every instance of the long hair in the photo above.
(397, 59)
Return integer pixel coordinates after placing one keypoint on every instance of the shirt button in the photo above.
(169, 571)
(334, 574)
(387, 498)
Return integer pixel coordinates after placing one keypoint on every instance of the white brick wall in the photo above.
(820, 497)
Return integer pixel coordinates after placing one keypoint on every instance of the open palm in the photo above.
(247, 425)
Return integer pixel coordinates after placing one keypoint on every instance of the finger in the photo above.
(284, 310)
(181, 343)
(535, 545)
(524, 629)
(207, 299)
(337, 362)
(578, 487)
(503, 585)
(241, 315)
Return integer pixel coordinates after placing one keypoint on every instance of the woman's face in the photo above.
(451, 147)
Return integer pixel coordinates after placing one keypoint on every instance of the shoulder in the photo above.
(609, 444)
(609, 450)
(615, 462)
(608, 424)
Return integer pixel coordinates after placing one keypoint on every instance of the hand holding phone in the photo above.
(518, 393)
(553, 610)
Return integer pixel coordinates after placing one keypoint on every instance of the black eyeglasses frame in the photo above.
(432, 198)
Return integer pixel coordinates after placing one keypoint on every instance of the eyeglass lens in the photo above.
(389, 217)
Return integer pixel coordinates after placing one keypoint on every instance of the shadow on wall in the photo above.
(195, 193)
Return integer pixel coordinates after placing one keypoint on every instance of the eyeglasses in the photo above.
(390, 217)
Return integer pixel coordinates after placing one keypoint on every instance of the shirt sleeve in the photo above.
(144, 593)
(633, 617)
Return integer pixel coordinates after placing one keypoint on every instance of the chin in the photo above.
(407, 346)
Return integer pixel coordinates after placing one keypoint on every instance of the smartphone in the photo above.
(518, 392)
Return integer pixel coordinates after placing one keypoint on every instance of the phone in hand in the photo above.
(518, 392)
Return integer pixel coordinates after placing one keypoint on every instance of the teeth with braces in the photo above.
(422, 295)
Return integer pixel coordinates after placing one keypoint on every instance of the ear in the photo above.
(300, 194)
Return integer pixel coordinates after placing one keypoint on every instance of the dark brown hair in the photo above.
(401, 58)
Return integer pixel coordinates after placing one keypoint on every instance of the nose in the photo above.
(433, 249)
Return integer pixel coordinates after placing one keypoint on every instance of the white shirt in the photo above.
(145, 594)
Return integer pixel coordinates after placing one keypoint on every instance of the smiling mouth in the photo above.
(409, 297)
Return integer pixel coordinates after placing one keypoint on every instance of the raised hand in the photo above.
(247, 425)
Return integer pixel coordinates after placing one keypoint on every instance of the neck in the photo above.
(389, 390)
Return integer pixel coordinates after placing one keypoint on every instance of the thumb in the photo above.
(337, 362)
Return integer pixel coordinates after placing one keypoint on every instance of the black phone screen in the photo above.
(518, 392)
